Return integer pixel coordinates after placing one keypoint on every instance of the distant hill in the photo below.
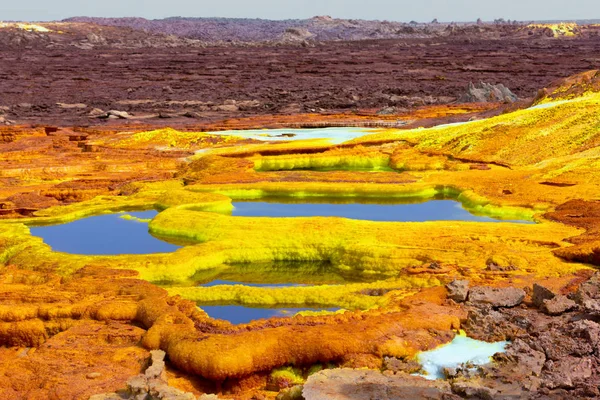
(321, 28)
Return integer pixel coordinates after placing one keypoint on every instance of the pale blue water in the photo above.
(104, 235)
(243, 315)
(434, 210)
(334, 135)
(109, 234)
(459, 351)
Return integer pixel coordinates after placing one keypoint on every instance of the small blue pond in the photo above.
(104, 234)
(110, 234)
(434, 210)
(243, 315)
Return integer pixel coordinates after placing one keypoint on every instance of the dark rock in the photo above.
(591, 306)
(567, 372)
(486, 323)
(497, 297)
(588, 331)
(96, 113)
(473, 390)
(558, 345)
(458, 290)
(400, 365)
(192, 114)
(557, 305)
(541, 293)
(588, 290)
(528, 359)
(69, 106)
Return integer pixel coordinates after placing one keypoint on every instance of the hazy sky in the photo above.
(396, 10)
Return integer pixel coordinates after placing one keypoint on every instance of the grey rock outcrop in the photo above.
(485, 93)
(151, 385)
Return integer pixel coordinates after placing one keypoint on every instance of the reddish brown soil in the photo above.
(334, 76)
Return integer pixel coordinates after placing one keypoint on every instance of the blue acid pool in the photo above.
(243, 315)
(434, 210)
(104, 235)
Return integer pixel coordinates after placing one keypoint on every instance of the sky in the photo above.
(393, 10)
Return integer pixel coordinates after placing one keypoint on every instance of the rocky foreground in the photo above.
(554, 351)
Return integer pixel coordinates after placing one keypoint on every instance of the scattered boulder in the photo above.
(118, 114)
(458, 290)
(5, 121)
(558, 305)
(568, 371)
(588, 290)
(486, 93)
(387, 111)
(589, 331)
(191, 114)
(541, 293)
(96, 39)
(401, 365)
(529, 360)
(497, 297)
(227, 108)
(248, 104)
(473, 390)
(97, 113)
(68, 106)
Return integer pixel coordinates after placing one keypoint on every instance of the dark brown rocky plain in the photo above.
(61, 78)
